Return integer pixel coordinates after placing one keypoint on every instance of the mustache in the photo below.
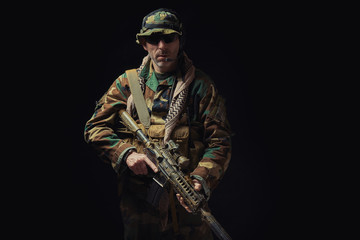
(161, 52)
(164, 53)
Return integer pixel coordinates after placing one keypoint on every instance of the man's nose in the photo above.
(161, 44)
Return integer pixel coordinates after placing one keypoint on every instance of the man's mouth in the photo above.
(163, 58)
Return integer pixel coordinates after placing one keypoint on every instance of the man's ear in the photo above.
(143, 43)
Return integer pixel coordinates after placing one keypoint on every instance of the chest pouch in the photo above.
(180, 136)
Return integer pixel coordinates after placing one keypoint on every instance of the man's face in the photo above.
(163, 50)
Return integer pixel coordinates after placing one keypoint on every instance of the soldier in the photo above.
(184, 106)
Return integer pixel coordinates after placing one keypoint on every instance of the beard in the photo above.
(162, 59)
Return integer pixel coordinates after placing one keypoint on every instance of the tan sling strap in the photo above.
(144, 117)
(138, 97)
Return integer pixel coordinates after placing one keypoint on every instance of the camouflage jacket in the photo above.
(209, 143)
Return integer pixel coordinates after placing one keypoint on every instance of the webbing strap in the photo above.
(138, 97)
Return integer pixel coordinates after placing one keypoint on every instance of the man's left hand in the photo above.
(197, 187)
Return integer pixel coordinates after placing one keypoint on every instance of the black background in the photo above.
(257, 56)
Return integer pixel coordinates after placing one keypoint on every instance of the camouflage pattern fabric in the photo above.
(162, 21)
(208, 145)
(142, 221)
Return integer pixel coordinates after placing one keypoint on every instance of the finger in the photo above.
(186, 207)
(150, 164)
(181, 200)
(142, 168)
(136, 169)
(132, 168)
(197, 185)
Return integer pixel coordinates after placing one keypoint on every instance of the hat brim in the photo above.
(155, 30)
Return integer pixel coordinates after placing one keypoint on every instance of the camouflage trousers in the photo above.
(142, 221)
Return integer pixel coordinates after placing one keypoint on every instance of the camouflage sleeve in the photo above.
(99, 130)
(217, 136)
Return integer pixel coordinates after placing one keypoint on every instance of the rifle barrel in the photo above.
(215, 225)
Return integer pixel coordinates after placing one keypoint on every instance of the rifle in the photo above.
(166, 158)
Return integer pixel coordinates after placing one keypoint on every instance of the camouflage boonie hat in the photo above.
(163, 21)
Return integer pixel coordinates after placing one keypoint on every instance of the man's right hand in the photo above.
(137, 163)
